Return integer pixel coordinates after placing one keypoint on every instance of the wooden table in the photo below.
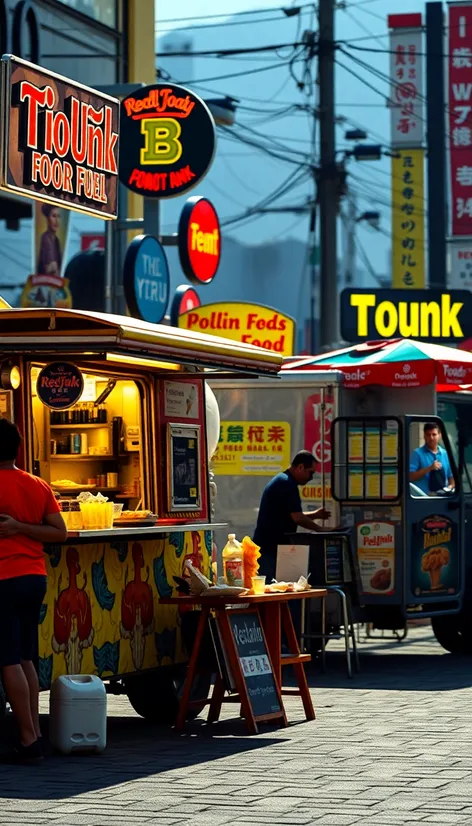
(274, 614)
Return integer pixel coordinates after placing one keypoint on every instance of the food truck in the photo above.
(361, 411)
(119, 409)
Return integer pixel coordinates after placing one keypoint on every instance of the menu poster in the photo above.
(355, 444)
(355, 483)
(389, 483)
(181, 400)
(184, 466)
(390, 441)
(372, 483)
(334, 558)
(372, 444)
(376, 557)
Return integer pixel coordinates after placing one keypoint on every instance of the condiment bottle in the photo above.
(233, 562)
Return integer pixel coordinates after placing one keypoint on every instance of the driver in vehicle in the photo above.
(430, 469)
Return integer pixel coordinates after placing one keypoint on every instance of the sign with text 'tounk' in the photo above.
(244, 322)
(408, 218)
(61, 140)
(432, 315)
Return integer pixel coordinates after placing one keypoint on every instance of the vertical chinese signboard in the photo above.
(407, 128)
(460, 130)
(408, 241)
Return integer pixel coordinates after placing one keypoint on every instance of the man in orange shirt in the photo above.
(29, 516)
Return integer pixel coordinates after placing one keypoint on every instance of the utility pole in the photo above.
(437, 187)
(327, 188)
(350, 236)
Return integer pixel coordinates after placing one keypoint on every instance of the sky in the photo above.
(360, 101)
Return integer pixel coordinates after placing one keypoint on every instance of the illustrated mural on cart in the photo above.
(102, 613)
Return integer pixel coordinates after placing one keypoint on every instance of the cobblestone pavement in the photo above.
(393, 746)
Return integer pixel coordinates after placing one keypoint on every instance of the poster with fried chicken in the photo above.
(435, 557)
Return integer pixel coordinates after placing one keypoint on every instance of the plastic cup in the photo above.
(258, 584)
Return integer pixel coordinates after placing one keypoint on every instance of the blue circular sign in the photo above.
(146, 279)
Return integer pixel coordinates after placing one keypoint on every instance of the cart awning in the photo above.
(394, 363)
(55, 330)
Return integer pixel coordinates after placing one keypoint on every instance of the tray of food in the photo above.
(134, 519)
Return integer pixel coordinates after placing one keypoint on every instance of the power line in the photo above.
(235, 74)
(231, 52)
(225, 24)
(364, 28)
(231, 14)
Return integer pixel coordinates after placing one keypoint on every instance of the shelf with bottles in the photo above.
(85, 413)
(83, 457)
(85, 426)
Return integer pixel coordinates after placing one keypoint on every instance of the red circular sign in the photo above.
(199, 240)
(185, 299)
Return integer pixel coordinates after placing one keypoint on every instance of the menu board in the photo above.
(183, 446)
(355, 482)
(355, 444)
(255, 663)
(390, 441)
(333, 548)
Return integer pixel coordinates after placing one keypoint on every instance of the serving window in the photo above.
(97, 443)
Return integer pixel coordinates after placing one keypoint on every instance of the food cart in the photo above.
(349, 407)
(116, 406)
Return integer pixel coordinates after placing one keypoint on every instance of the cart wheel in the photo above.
(156, 696)
(453, 633)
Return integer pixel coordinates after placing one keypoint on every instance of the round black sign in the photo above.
(59, 385)
(167, 140)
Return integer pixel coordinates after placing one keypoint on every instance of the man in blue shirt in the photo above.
(430, 457)
(280, 511)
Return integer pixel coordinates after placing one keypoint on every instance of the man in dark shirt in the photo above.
(280, 511)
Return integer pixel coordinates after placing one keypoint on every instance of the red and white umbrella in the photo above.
(394, 363)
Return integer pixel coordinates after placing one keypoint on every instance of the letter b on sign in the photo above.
(162, 143)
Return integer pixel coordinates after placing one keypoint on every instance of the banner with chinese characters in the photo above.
(460, 117)
(406, 74)
(256, 448)
(408, 236)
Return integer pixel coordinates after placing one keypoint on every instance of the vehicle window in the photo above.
(430, 464)
(454, 414)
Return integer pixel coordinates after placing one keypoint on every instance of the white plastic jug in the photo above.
(78, 714)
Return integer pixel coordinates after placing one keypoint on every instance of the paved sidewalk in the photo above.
(393, 746)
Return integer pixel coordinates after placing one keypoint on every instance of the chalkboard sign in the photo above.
(255, 663)
(59, 385)
(183, 446)
(334, 560)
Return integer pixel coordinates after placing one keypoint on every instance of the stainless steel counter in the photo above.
(113, 533)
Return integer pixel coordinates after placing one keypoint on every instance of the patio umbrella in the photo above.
(394, 363)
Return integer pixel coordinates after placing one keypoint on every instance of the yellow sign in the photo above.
(408, 241)
(244, 322)
(431, 315)
(4, 305)
(252, 448)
